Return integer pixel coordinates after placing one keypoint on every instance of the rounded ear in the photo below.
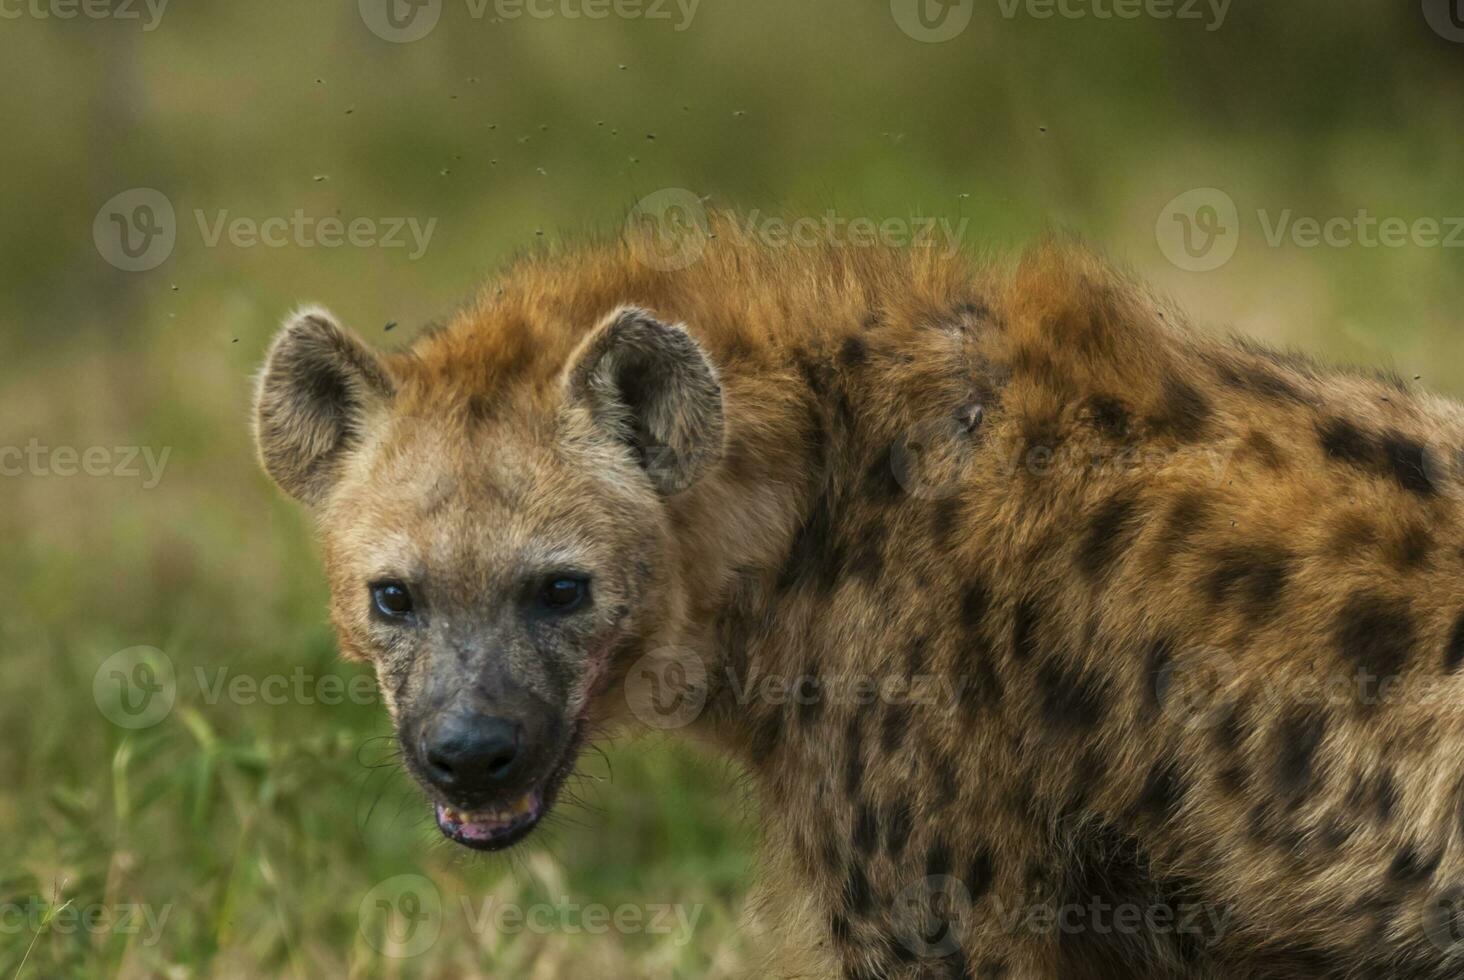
(318, 387)
(653, 388)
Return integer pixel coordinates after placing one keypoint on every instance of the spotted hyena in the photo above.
(1061, 640)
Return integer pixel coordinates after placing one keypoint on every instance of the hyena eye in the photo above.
(563, 593)
(391, 600)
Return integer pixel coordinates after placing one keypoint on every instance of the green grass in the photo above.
(259, 829)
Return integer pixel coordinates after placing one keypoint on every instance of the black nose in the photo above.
(471, 755)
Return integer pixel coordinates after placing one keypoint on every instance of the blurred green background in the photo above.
(253, 830)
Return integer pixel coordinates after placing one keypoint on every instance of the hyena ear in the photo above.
(315, 394)
(652, 387)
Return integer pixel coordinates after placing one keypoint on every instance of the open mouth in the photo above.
(491, 829)
(499, 827)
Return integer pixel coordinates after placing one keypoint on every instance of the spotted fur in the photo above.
(1156, 619)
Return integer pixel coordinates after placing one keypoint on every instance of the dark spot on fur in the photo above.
(943, 779)
(1385, 797)
(1407, 461)
(1454, 650)
(866, 829)
(881, 486)
(1375, 635)
(974, 603)
(938, 859)
(981, 873)
(853, 763)
(1409, 869)
(809, 694)
(854, 352)
(1255, 577)
(839, 926)
(1231, 730)
(816, 558)
(1071, 701)
(1341, 440)
(1261, 446)
(1297, 739)
(1183, 412)
(1186, 515)
(1109, 416)
(867, 562)
(898, 825)
(915, 655)
(1259, 381)
(1156, 677)
(1024, 629)
(1412, 547)
(768, 734)
(980, 687)
(896, 723)
(1109, 532)
(945, 515)
(1163, 791)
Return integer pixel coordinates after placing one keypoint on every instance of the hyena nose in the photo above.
(470, 755)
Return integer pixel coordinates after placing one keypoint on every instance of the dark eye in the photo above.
(391, 600)
(562, 593)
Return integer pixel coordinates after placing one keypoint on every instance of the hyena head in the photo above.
(494, 524)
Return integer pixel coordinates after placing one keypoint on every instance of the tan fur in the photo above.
(1038, 499)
